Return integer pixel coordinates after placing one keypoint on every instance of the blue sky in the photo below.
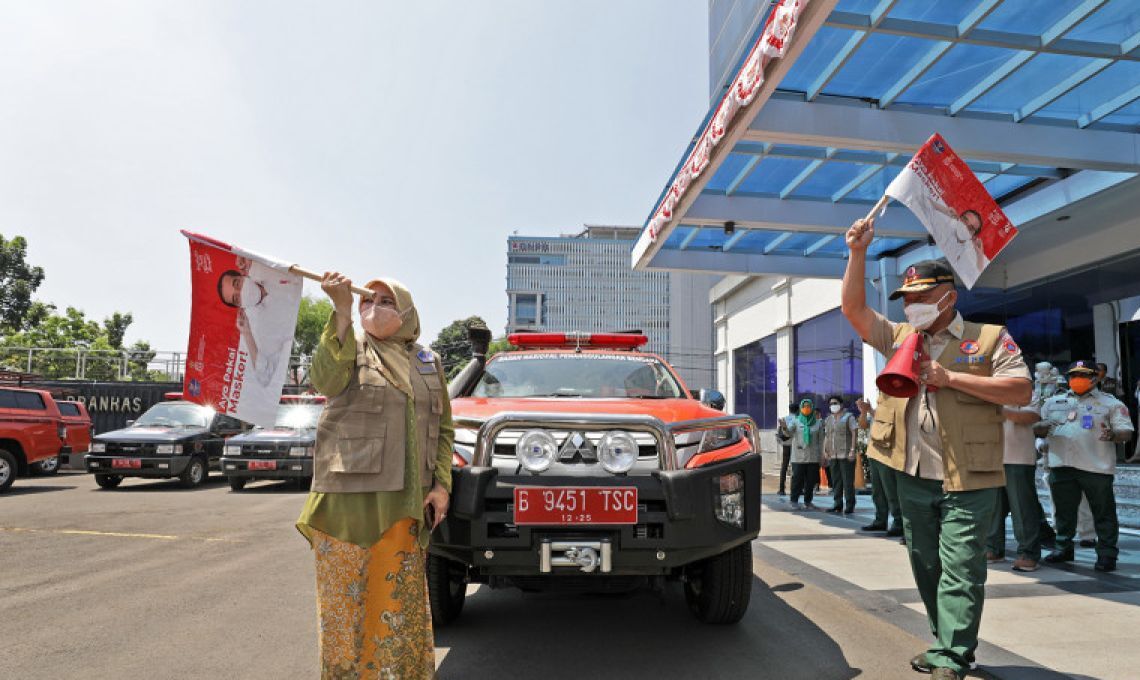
(376, 138)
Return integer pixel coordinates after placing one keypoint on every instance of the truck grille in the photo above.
(130, 449)
(265, 450)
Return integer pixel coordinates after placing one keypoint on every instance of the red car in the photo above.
(31, 431)
(79, 433)
(583, 464)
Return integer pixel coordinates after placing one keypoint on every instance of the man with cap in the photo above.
(1083, 426)
(945, 444)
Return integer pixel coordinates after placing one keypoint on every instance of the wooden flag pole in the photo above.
(878, 206)
(313, 276)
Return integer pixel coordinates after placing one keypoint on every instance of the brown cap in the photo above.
(1082, 366)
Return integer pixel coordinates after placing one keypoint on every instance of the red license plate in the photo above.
(127, 463)
(262, 465)
(565, 505)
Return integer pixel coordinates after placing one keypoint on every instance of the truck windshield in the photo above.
(298, 416)
(577, 375)
(176, 415)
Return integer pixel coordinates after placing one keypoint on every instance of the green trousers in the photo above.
(884, 493)
(843, 483)
(1067, 484)
(946, 534)
(1019, 498)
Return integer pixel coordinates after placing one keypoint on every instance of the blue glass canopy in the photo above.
(1038, 67)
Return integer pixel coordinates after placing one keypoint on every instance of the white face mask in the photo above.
(835, 408)
(922, 314)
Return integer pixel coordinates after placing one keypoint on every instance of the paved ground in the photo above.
(151, 581)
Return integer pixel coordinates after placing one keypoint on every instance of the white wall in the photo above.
(691, 328)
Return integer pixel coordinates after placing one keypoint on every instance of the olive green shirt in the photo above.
(362, 518)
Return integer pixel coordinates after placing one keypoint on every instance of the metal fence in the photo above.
(80, 363)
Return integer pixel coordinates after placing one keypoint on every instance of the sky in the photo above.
(383, 138)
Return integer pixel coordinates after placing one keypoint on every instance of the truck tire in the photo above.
(9, 466)
(48, 466)
(446, 591)
(108, 481)
(719, 589)
(194, 475)
(237, 483)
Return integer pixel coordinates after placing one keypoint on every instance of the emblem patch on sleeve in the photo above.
(969, 347)
(426, 356)
(1011, 347)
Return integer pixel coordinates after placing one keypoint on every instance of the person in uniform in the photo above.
(1019, 498)
(806, 430)
(839, 428)
(1083, 426)
(381, 483)
(884, 492)
(945, 445)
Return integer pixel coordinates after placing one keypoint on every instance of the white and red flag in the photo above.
(242, 322)
(965, 221)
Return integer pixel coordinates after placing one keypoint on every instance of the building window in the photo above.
(754, 380)
(828, 359)
(526, 309)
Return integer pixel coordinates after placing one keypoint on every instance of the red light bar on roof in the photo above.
(302, 399)
(172, 396)
(576, 340)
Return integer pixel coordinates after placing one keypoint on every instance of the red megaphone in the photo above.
(900, 376)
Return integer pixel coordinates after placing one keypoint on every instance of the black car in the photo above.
(284, 451)
(171, 439)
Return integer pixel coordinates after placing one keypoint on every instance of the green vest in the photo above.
(362, 433)
(970, 428)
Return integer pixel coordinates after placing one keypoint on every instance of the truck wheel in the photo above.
(446, 590)
(718, 591)
(8, 468)
(304, 483)
(48, 466)
(237, 483)
(194, 474)
(108, 481)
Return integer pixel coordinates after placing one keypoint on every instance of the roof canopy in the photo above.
(1041, 98)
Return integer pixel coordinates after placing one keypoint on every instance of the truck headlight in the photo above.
(729, 499)
(617, 452)
(300, 451)
(536, 450)
(719, 439)
(167, 449)
(98, 447)
(233, 450)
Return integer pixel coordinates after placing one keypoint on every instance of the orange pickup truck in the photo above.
(581, 464)
(32, 431)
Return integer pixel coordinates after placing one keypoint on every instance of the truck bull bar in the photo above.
(663, 433)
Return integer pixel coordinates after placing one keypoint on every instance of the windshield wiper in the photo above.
(648, 396)
(558, 394)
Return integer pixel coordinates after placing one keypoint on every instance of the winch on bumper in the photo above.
(680, 520)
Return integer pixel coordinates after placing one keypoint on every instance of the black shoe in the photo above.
(894, 531)
(848, 512)
(1087, 543)
(874, 526)
(1058, 556)
(1048, 537)
(920, 664)
(1105, 564)
(835, 510)
(781, 492)
(902, 541)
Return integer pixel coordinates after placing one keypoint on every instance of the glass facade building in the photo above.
(755, 381)
(828, 359)
(584, 283)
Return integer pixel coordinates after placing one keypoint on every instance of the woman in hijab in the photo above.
(807, 448)
(381, 483)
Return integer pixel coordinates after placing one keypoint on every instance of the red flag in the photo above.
(242, 322)
(965, 221)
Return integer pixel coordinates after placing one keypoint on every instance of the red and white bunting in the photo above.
(773, 44)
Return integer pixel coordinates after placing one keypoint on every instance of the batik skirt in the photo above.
(372, 605)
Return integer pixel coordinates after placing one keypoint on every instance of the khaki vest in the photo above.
(970, 428)
(362, 433)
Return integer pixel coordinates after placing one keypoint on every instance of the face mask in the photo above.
(1081, 385)
(381, 321)
(806, 410)
(250, 295)
(835, 408)
(922, 314)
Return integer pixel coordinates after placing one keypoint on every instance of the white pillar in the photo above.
(1106, 337)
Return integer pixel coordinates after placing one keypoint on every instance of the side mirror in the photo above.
(130, 423)
(713, 399)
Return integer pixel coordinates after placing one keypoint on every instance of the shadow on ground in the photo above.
(17, 490)
(509, 634)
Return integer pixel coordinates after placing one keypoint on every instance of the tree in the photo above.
(311, 319)
(61, 337)
(116, 327)
(18, 280)
(452, 345)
